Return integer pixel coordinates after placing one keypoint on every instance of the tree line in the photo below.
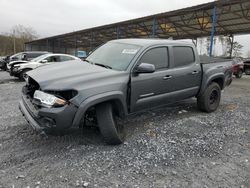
(13, 42)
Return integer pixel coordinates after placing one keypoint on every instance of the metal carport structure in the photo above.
(223, 17)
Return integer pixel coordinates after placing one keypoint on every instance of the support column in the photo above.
(154, 28)
(47, 45)
(76, 46)
(118, 32)
(91, 41)
(53, 46)
(194, 41)
(231, 38)
(212, 32)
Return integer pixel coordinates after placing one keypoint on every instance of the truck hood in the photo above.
(75, 74)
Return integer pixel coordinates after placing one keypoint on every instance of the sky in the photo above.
(53, 17)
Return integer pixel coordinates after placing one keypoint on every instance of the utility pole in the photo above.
(14, 42)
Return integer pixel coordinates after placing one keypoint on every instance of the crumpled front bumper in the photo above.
(46, 119)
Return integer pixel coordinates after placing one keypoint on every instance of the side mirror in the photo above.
(145, 68)
(44, 61)
(24, 56)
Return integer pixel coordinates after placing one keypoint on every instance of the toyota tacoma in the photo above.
(120, 77)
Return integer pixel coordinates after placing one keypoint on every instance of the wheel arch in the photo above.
(116, 98)
(219, 81)
(218, 78)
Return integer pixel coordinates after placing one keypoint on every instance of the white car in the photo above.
(20, 69)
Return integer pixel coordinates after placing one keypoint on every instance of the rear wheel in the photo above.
(112, 131)
(210, 100)
(247, 71)
(239, 74)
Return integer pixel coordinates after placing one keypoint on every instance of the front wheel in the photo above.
(210, 99)
(112, 131)
(247, 71)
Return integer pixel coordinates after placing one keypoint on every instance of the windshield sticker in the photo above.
(129, 51)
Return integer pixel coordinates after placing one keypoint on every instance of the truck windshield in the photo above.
(114, 55)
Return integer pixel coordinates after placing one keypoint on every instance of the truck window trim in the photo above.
(150, 48)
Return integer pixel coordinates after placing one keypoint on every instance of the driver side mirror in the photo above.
(23, 57)
(145, 68)
(44, 61)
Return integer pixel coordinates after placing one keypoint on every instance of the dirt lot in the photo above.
(172, 146)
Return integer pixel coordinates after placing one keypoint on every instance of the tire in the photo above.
(239, 74)
(210, 100)
(247, 71)
(22, 74)
(112, 132)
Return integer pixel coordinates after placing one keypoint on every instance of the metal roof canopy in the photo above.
(223, 17)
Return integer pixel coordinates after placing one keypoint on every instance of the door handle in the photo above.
(167, 77)
(195, 72)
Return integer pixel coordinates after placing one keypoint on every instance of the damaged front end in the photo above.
(47, 111)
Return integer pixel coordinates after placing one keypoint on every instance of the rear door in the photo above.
(185, 71)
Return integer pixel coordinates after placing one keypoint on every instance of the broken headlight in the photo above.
(48, 100)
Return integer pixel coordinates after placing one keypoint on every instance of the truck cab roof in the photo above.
(152, 42)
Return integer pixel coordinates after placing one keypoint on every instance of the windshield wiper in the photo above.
(102, 65)
(88, 61)
(99, 64)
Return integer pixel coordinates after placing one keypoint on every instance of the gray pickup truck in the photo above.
(119, 78)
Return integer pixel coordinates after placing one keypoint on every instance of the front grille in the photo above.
(31, 87)
(28, 91)
(33, 109)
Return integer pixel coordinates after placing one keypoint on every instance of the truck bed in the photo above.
(207, 59)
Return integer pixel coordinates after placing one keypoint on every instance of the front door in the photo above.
(147, 89)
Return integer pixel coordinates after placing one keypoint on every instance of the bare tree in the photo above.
(237, 48)
(13, 41)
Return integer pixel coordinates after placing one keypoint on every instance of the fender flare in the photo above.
(99, 98)
(209, 80)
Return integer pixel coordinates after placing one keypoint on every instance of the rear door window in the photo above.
(183, 55)
(53, 59)
(66, 58)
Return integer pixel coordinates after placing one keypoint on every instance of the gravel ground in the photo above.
(172, 146)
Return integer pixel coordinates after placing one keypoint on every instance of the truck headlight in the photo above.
(48, 100)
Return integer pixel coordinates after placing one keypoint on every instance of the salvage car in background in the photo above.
(247, 67)
(3, 62)
(20, 69)
(21, 57)
(238, 67)
(121, 77)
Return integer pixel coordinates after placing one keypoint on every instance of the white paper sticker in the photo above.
(129, 51)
